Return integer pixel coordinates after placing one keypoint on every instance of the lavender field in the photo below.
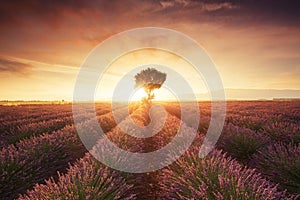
(256, 157)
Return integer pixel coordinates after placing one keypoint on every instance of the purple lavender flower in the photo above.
(280, 162)
(215, 177)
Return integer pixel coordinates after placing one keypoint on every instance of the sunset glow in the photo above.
(138, 95)
(255, 46)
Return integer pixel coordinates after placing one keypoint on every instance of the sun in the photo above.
(138, 95)
(161, 94)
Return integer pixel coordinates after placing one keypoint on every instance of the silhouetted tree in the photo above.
(150, 79)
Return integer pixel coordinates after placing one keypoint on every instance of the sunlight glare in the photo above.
(162, 94)
(138, 95)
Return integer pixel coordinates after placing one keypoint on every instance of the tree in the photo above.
(150, 79)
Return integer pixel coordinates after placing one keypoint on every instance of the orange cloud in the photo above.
(14, 66)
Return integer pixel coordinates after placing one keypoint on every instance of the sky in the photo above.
(255, 45)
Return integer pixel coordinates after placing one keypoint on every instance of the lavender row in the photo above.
(175, 109)
(44, 113)
(89, 129)
(216, 176)
(280, 162)
(38, 111)
(277, 123)
(31, 161)
(87, 179)
(241, 143)
(29, 164)
(15, 134)
(6, 125)
(32, 112)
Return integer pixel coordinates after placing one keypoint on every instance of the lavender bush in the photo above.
(215, 177)
(87, 179)
(280, 162)
(31, 161)
(283, 132)
(241, 143)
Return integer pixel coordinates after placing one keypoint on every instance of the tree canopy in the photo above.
(150, 79)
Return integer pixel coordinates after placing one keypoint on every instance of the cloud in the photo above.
(167, 4)
(14, 66)
(190, 5)
(231, 12)
(201, 6)
(217, 6)
(54, 13)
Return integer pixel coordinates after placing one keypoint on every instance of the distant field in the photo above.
(19, 103)
(256, 157)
